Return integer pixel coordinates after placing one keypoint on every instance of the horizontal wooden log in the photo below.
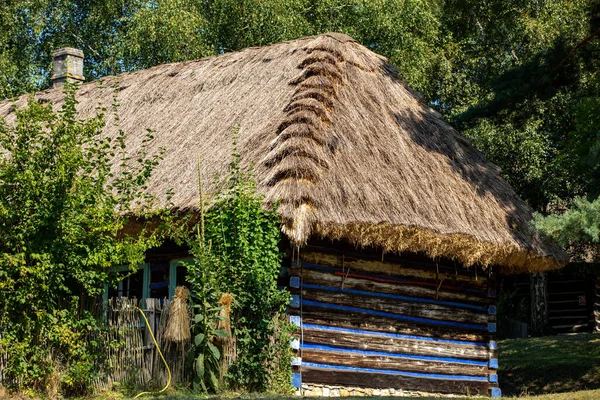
(321, 316)
(386, 268)
(396, 345)
(402, 308)
(432, 282)
(379, 380)
(579, 310)
(391, 363)
(366, 282)
(412, 260)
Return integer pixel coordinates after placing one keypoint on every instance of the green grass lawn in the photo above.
(550, 364)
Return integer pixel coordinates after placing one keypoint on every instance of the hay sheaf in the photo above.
(347, 149)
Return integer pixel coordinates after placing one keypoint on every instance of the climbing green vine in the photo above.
(236, 252)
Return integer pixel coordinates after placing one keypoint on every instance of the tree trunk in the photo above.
(539, 303)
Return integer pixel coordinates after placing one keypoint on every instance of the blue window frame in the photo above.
(173, 274)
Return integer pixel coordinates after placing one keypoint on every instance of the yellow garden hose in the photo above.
(159, 353)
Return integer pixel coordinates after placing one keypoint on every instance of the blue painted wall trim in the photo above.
(393, 372)
(295, 301)
(396, 297)
(310, 346)
(297, 380)
(397, 316)
(295, 282)
(496, 393)
(295, 344)
(386, 277)
(493, 363)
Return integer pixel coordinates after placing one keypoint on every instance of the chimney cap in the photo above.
(68, 51)
(67, 66)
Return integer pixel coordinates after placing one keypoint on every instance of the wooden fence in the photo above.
(132, 360)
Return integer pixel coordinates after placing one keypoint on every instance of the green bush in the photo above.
(62, 210)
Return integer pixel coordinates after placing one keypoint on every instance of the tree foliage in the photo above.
(579, 227)
(62, 213)
(520, 78)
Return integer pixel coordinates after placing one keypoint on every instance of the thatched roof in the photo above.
(348, 149)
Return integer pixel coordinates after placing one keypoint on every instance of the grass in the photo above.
(548, 368)
(581, 395)
(550, 364)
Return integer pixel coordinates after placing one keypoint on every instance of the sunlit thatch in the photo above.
(346, 147)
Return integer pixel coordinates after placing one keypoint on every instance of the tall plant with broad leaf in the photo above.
(236, 251)
(202, 275)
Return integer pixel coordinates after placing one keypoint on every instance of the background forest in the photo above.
(520, 78)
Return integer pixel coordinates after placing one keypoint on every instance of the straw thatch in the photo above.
(347, 148)
(178, 324)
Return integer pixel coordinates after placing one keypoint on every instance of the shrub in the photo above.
(62, 211)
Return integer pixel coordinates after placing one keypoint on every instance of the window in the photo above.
(153, 280)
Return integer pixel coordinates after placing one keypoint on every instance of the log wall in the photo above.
(571, 302)
(393, 323)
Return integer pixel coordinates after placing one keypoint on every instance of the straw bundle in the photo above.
(225, 303)
(347, 149)
(228, 343)
(178, 325)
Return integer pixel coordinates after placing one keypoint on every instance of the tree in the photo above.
(520, 79)
(62, 214)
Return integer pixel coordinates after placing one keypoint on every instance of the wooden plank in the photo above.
(391, 269)
(381, 380)
(321, 316)
(479, 308)
(367, 282)
(396, 344)
(577, 293)
(569, 326)
(373, 360)
(569, 310)
(403, 308)
(421, 262)
(576, 317)
(401, 317)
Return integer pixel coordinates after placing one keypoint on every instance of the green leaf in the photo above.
(213, 380)
(200, 366)
(221, 333)
(198, 339)
(215, 351)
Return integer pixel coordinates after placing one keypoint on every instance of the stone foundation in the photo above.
(312, 390)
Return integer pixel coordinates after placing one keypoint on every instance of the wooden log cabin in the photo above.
(397, 226)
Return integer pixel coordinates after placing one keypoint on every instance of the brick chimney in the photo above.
(68, 66)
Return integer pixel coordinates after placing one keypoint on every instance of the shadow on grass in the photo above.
(549, 364)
